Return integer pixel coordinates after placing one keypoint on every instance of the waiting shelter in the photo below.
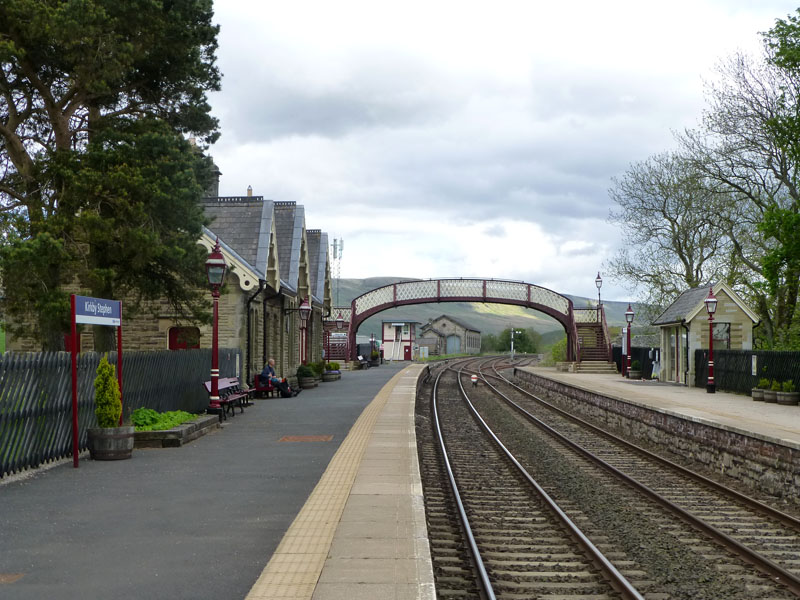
(684, 327)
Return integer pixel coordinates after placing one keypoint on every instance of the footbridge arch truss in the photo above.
(497, 291)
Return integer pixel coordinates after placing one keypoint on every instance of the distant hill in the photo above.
(485, 317)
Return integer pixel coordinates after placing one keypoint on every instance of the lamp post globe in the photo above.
(215, 273)
(629, 320)
(711, 308)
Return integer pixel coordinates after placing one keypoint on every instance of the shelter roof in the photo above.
(689, 304)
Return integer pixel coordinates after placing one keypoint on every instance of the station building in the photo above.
(447, 335)
(274, 265)
(684, 328)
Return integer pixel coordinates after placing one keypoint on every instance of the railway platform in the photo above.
(323, 489)
(732, 412)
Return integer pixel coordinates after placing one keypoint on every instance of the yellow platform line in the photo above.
(295, 567)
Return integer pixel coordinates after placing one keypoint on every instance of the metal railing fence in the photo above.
(36, 396)
(733, 369)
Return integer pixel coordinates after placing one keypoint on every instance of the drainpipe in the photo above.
(686, 352)
(261, 284)
(264, 332)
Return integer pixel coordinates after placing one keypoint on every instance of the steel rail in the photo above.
(616, 579)
(774, 513)
(791, 581)
(483, 576)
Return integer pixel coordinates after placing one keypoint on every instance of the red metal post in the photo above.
(215, 347)
(711, 386)
(119, 362)
(629, 350)
(74, 357)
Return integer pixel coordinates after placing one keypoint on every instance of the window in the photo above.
(184, 338)
(405, 330)
(722, 336)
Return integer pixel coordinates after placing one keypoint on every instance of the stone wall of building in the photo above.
(766, 465)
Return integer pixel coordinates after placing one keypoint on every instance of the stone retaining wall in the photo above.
(757, 462)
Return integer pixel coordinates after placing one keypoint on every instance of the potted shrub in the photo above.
(788, 395)
(305, 377)
(375, 359)
(331, 372)
(635, 372)
(109, 440)
(771, 394)
(758, 391)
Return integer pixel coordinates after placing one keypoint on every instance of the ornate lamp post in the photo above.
(215, 273)
(598, 281)
(339, 322)
(305, 311)
(711, 307)
(629, 320)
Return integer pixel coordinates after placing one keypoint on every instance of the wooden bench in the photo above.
(231, 395)
(263, 391)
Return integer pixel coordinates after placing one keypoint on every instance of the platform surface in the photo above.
(202, 521)
(735, 412)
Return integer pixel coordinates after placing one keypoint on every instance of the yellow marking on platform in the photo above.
(295, 567)
(11, 577)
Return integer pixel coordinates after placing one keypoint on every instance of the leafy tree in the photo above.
(97, 183)
(525, 340)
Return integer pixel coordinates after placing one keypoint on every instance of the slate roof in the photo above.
(289, 220)
(317, 261)
(425, 329)
(457, 322)
(683, 305)
(244, 224)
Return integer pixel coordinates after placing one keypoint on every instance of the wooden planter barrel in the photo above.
(788, 398)
(757, 394)
(111, 443)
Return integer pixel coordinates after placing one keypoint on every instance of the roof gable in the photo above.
(319, 269)
(456, 321)
(687, 306)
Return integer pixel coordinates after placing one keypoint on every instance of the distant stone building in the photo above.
(446, 335)
(684, 329)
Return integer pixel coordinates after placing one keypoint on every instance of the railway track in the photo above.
(519, 544)
(681, 536)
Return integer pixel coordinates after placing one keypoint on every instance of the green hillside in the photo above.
(485, 317)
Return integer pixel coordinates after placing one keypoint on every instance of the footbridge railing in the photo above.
(497, 291)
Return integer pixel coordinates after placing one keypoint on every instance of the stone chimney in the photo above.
(249, 191)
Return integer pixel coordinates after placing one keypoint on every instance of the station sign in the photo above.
(97, 311)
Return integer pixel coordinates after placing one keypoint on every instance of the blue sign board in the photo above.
(97, 311)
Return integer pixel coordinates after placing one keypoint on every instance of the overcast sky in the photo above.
(465, 139)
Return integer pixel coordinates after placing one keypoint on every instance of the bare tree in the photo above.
(671, 240)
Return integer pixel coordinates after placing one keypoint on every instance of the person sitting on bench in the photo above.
(268, 374)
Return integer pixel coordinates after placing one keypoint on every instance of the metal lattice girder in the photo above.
(587, 315)
(464, 290)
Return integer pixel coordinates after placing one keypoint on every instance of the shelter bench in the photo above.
(231, 395)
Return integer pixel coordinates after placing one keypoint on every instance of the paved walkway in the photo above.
(361, 535)
(735, 412)
(198, 522)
